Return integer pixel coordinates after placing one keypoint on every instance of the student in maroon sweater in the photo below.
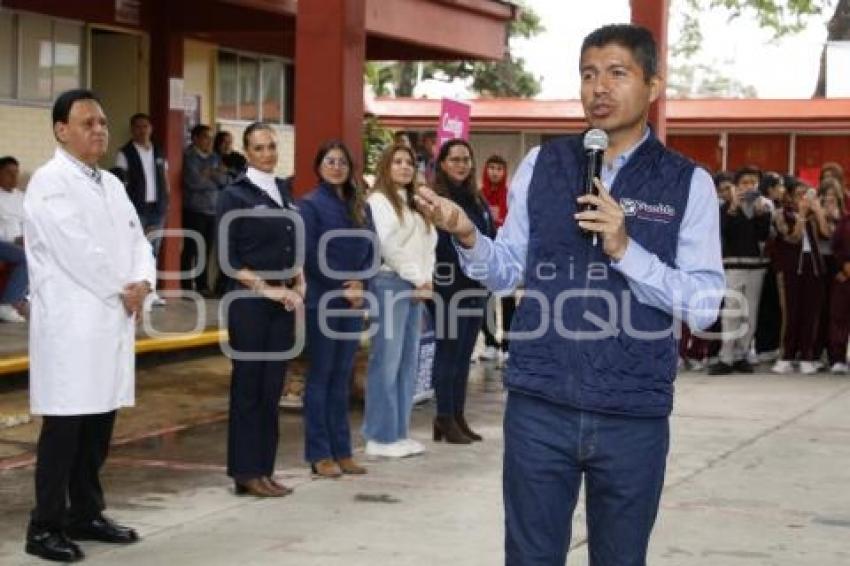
(494, 189)
(800, 224)
(839, 324)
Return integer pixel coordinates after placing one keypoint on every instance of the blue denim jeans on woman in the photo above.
(548, 448)
(16, 286)
(326, 429)
(393, 357)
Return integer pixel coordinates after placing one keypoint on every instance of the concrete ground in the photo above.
(758, 475)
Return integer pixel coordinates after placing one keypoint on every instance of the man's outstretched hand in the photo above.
(446, 215)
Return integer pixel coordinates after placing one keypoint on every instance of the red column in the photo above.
(167, 63)
(330, 51)
(652, 14)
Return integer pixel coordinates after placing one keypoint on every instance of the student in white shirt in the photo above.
(13, 294)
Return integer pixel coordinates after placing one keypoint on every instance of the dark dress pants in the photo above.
(548, 448)
(452, 353)
(256, 326)
(805, 295)
(769, 326)
(205, 225)
(71, 451)
(839, 323)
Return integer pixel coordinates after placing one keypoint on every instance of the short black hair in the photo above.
(64, 102)
(198, 130)
(636, 39)
(7, 160)
(722, 177)
(770, 180)
(791, 183)
(747, 170)
(139, 116)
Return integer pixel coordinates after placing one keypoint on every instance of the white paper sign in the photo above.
(175, 94)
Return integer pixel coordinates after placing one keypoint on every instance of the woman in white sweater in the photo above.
(403, 282)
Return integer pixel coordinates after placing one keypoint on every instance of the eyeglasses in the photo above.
(459, 160)
(340, 162)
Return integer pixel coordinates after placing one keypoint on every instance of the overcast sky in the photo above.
(785, 69)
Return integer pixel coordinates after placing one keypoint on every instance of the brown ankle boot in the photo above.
(276, 486)
(349, 466)
(446, 427)
(256, 487)
(464, 428)
(326, 468)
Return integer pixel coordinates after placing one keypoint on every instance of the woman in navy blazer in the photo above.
(257, 231)
(340, 250)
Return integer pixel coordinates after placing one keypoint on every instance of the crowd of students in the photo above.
(786, 254)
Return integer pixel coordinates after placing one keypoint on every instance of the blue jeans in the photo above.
(16, 286)
(393, 356)
(548, 447)
(326, 429)
(452, 356)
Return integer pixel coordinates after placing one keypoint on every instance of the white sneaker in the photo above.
(503, 359)
(386, 449)
(809, 368)
(489, 354)
(413, 447)
(8, 313)
(158, 301)
(782, 367)
(839, 368)
(697, 365)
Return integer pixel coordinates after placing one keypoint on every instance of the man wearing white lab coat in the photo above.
(90, 269)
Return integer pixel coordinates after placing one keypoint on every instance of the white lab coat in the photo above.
(83, 244)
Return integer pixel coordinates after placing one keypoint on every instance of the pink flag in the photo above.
(454, 121)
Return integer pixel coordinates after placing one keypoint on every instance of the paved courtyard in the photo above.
(759, 474)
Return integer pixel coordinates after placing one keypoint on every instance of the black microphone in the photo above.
(595, 144)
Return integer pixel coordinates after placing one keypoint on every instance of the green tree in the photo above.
(782, 17)
(506, 77)
(375, 139)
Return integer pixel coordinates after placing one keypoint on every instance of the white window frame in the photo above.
(17, 72)
(260, 58)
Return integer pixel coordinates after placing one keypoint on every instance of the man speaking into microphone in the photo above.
(593, 350)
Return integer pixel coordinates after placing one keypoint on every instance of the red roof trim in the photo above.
(695, 114)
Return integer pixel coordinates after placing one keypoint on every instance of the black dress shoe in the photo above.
(719, 369)
(52, 545)
(103, 530)
(743, 366)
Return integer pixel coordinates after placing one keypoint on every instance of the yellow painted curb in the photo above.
(18, 364)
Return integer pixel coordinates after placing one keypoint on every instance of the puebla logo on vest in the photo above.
(653, 212)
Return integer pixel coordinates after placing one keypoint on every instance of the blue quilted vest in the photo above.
(580, 337)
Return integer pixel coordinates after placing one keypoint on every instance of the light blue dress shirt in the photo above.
(692, 290)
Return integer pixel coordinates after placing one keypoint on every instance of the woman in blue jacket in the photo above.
(257, 232)
(339, 254)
